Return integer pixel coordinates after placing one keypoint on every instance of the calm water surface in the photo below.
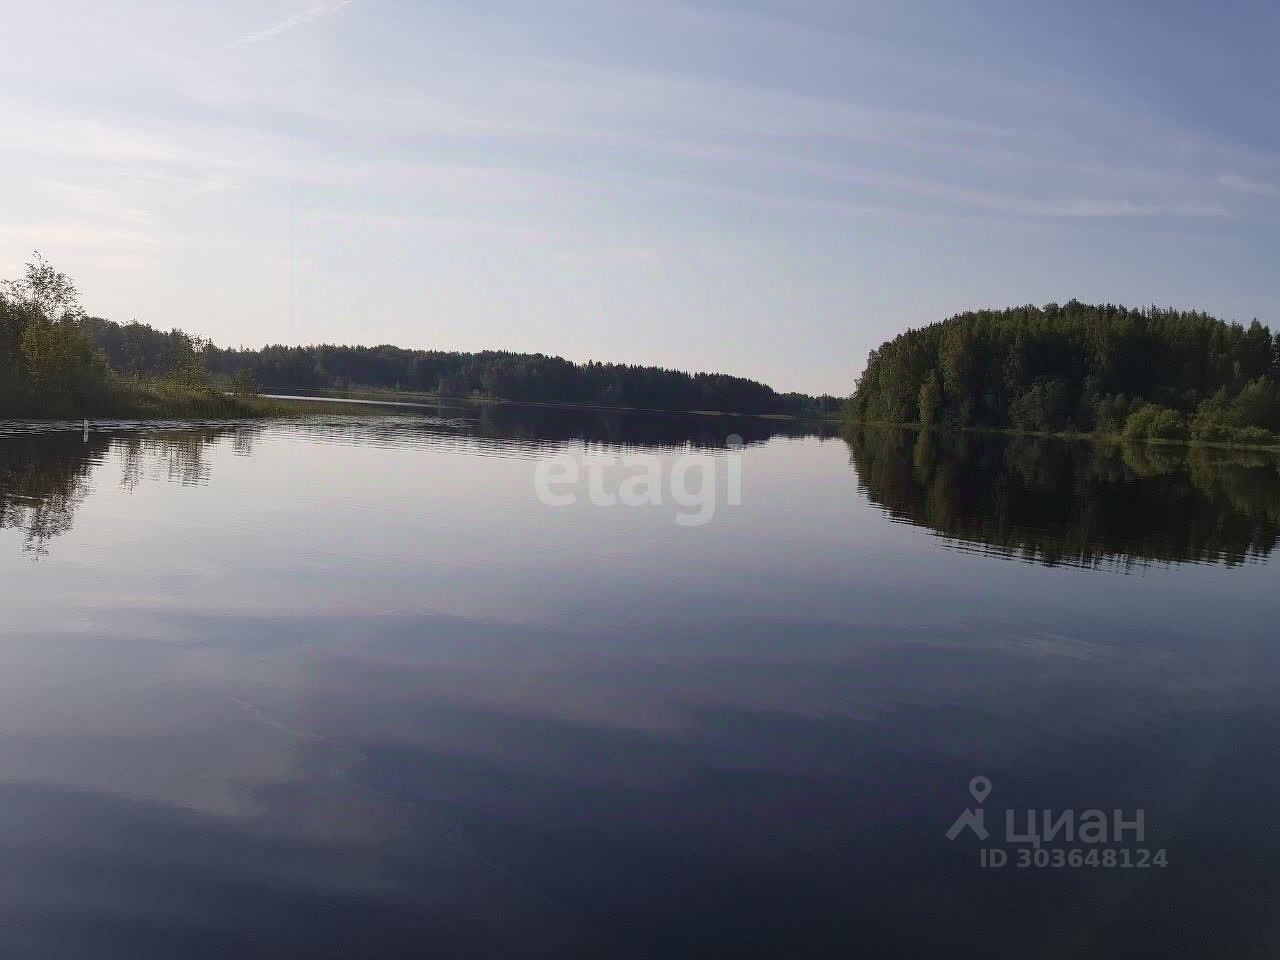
(344, 687)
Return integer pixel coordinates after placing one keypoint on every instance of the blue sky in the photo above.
(767, 188)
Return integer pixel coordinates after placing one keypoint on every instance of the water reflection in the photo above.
(1054, 502)
(1035, 499)
(178, 457)
(634, 429)
(543, 424)
(46, 468)
(43, 479)
(362, 693)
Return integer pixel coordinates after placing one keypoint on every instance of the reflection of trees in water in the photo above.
(1058, 502)
(242, 441)
(632, 429)
(45, 477)
(521, 431)
(176, 457)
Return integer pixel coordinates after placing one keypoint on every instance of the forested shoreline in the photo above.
(58, 361)
(50, 365)
(138, 349)
(1076, 368)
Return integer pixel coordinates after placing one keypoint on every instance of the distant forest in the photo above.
(139, 350)
(55, 360)
(1163, 374)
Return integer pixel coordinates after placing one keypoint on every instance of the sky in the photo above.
(768, 188)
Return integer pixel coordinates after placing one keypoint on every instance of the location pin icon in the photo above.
(980, 787)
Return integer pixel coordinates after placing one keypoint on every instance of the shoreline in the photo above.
(1098, 438)
(419, 398)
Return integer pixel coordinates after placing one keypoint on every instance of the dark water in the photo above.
(345, 687)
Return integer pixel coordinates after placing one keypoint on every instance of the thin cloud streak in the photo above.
(1241, 184)
(295, 20)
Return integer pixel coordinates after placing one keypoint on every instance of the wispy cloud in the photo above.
(90, 203)
(295, 20)
(1241, 184)
(1088, 207)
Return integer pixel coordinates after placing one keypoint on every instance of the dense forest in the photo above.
(1153, 373)
(43, 354)
(137, 349)
(50, 365)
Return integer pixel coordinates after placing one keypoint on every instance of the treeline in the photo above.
(537, 378)
(51, 364)
(55, 360)
(1152, 373)
(46, 362)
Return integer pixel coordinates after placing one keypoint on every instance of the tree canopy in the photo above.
(44, 354)
(1079, 368)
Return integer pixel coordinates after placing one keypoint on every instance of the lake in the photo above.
(452, 682)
